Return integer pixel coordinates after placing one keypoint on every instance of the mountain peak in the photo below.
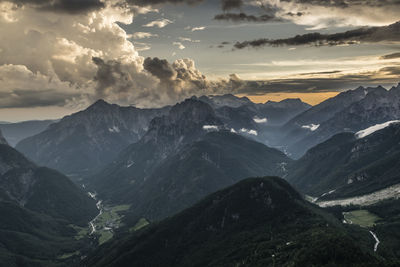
(285, 103)
(100, 103)
(394, 88)
(191, 108)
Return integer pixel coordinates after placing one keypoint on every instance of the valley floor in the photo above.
(364, 200)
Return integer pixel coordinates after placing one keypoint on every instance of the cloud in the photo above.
(210, 128)
(179, 80)
(237, 17)
(247, 131)
(143, 35)
(179, 45)
(317, 82)
(391, 56)
(231, 4)
(157, 2)
(63, 6)
(390, 33)
(311, 127)
(260, 120)
(185, 39)
(318, 14)
(60, 47)
(160, 68)
(193, 29)
(161, 23)
(23, 88)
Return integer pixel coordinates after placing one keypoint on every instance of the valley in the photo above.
(187, 174)
(392, 192)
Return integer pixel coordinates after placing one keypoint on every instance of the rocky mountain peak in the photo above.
(395, 88)
(185, 120)
(229, 100)
(100, 105)
(3, 141)
(286, 103)
(192, 109)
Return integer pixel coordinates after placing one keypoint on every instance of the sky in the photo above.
(59, 56)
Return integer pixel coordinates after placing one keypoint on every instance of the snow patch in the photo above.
(129, 164)
(252, 132)
(372, 129)
(210, 127)
(312, 127)
(260, 120)
(114, 129)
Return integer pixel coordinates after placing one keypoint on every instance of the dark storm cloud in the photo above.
(237, 17)
(393, 70)
(156, 2)
(366, 34)
(159, 68)
(231, 4)
(391, 56)
(65, 6)
(319, 83)
(225, 4)
(20, 98)
(111, 74)
(181, 73)
(346, 4)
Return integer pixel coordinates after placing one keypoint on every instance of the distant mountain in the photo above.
(349, 111)
(349, 165)
(279, 113)
(227, 100)
(269, 113)
(87, 140)
(39, 206)
(238, 118)
(183, 157)
(15, 132)
(256, 222)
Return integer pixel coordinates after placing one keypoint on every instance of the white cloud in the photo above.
(201, 28)
(252, 132)
(318, 16)
(186, 39)
(140, 46)
(161, 23)
(311, 127)
(20, 87)
(372, 129)
(260, 120)
(143, 35)
(179, 45)
(210, 127)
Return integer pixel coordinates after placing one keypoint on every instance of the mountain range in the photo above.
(182, 158)
(352, 110)
(151, 166)
(15, 132)
(350, 164)
(99, 133)
(96, 134)
(40, 206)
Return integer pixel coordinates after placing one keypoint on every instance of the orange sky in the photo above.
(310, 98)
